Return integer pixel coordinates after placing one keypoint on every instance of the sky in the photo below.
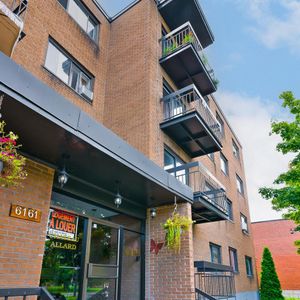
(256, 56)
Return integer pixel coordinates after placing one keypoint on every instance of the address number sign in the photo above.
(25, 213)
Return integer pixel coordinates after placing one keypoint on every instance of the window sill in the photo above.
(250, 276)
(246, 233)
(89, 101)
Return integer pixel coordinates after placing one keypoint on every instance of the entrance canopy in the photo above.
(50, 126)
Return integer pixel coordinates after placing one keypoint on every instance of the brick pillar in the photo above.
(169, 276)
(22, 242)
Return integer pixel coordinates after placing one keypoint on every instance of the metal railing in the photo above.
(202, 183)
(189, 99)
(218, 285)
(181, 37)
(199, 295)
(42, 293)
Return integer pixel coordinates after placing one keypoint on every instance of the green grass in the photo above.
(292, 298)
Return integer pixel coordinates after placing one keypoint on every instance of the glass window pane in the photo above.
(131, 267)
(64, 3)
(91, 29)
(169, 161)
(58, 63)
(104, 245)
(78, 14)
(75, 73)
(62, 263)
(98, 289)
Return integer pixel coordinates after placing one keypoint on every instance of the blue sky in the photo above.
(256, 56)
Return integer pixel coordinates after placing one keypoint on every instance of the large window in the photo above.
(233, 258)
(249, 267)
(220, 120)
(215, 253)
(239, 185)
(60, 64)
(230, 211)
(224, 164)
(235, 150)
(82, 16)
(244, 224)
(171, 161)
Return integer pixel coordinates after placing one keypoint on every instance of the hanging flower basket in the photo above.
(175, 226)
(11, 163)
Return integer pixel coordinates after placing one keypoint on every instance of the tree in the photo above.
(269, 286)
(287, 194)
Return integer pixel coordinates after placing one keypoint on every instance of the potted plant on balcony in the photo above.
(188, 38)
(175, 226)
(11, 162)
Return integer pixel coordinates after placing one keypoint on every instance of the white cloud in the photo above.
(277, 22)
(250, 118)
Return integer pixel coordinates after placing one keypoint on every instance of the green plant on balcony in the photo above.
(11, 162)
(188, 38)
(169, 49)
(175, 226)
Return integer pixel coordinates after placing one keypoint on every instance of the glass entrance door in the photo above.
(103, 262)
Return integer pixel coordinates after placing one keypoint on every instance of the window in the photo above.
(211, 156)
(235, 150)
(82, 16)
(61, 65)
(219, 119)
(229, 208)
(224, 164)
(171, 161)
(215, 253)
(240, 185)
(249, 268)
(233, 258)
(244, 224)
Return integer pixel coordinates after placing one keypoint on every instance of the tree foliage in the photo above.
(269, 286)
(286, 194)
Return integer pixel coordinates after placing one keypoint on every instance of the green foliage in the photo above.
(270, 285)
(13, 163)
(287, 194)
(188, 38)
(174, 227)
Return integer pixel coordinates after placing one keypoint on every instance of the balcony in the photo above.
(184, 61)
(190, 123)
(215, 281)
(11, 24)
(177, 12)
(210, 201)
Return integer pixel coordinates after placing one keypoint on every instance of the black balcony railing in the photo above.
(210, 201)
(181, 37)
(215, 280)
(187, 100)
(25, 293)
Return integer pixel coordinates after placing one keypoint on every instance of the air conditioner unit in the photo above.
(86, 92)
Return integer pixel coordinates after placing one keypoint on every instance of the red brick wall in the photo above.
(169, 276)
(22, 242)
(276, 235)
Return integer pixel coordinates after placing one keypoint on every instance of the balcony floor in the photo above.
(191, 133)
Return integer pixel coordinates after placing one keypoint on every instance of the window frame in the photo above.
(219, 249)
(249, 260)
(239, 179)
(235, 149)
(90, 16)
(211, 156)
(230, 211)
(73, 64)
(222, 123)
(176, 159)
(234, 266)
(225, 160)
(242, 216)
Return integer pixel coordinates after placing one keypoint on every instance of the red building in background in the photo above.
(279, 237)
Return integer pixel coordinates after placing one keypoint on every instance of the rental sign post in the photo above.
(62, 225)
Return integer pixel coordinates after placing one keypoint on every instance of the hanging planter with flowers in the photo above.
(175, 226)
(11, 162)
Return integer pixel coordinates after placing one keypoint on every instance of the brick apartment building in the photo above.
(123, 102)
(279, 236)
